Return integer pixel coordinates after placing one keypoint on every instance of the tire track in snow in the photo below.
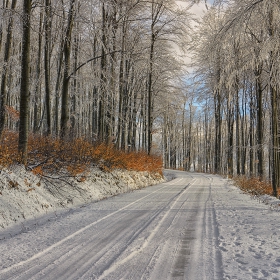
(39, 255)
(141, 229)
(146, 242)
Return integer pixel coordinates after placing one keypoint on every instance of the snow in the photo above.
(248, 233)
(24, 195)
(196, 226)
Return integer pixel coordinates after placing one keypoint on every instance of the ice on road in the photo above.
(195, 227)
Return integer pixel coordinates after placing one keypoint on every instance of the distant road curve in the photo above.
(167, 231)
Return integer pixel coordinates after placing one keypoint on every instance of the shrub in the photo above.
(47, 154)
(253, 186)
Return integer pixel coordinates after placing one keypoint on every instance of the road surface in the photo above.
(167, 231)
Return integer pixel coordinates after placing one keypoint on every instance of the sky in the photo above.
(197, 9)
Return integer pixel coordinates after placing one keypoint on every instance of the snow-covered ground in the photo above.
(198, 226)
(24, 195)
(249, 230)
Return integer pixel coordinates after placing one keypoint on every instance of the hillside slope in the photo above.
(24, 196)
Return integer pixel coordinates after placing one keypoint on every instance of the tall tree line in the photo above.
(236, 83)
(94, 68)
(107, 71)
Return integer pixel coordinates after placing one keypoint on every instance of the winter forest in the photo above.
(202, 92)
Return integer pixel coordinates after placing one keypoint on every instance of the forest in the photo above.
(148, 77)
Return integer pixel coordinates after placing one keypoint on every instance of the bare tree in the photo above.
(24, 88)
(8, 46)
(66, 78)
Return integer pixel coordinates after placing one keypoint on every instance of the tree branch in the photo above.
(89, 60)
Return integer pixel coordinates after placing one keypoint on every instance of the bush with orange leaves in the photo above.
(253, 186)
(46, 154)
(9, 149)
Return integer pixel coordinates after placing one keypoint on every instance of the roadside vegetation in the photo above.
(49, 155)
(253, 186)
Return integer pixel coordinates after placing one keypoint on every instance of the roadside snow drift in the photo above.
(24, 195)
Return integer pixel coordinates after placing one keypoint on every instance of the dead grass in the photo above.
(46, 154)
(253, 186)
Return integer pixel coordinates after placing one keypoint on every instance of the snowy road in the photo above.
(168, 231)
(161, 232)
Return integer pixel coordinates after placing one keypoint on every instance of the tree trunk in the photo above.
(47, 63)
(37, 91)
(189, 141)
(64, 131)
(251, 133)
(57, 87)
(3, 93)
(274, 134)
(121, 89)
(244, 126)
(217, 158)
(274, 94)
(75, 117)
(24, 87)
(230, 123)
(259, 123)
(149, 95)
(5, 5)
(103, 93)
(237, 128)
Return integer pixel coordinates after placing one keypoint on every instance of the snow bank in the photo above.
(24, 195)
